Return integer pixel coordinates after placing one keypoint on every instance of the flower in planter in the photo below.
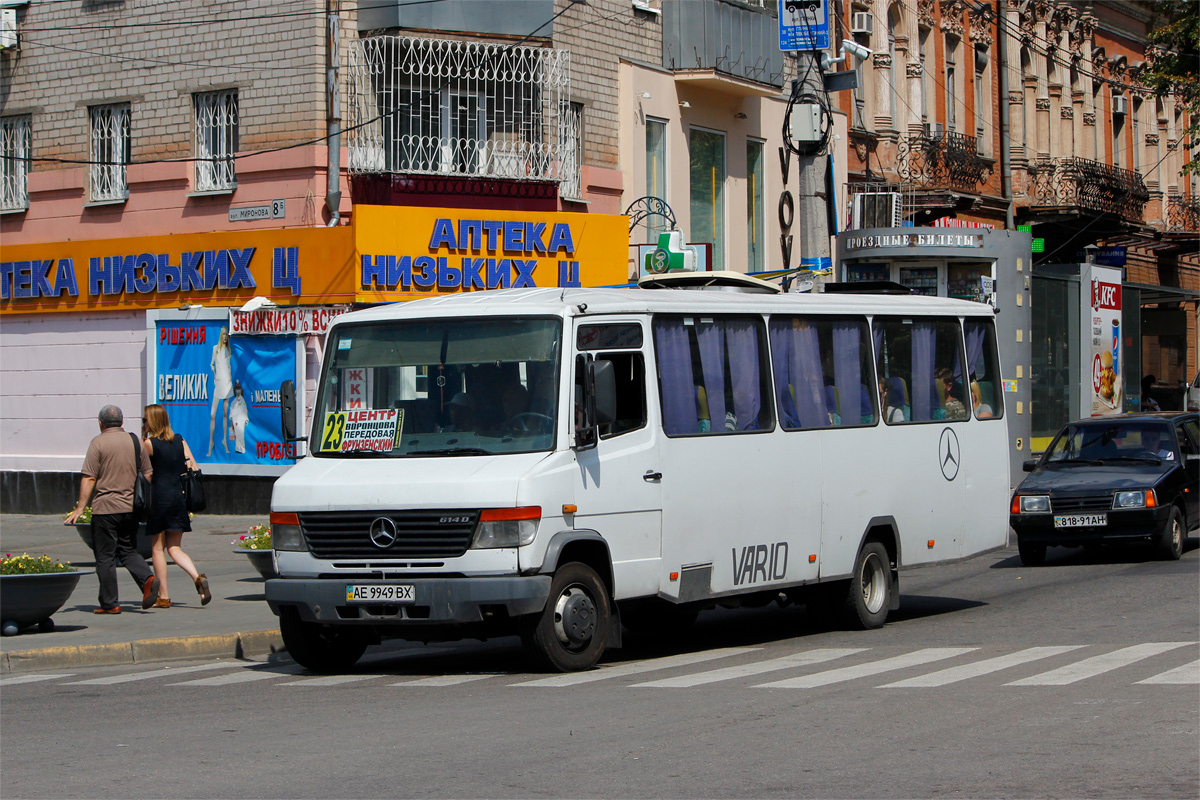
(258, 537)
(26, 564)
(84, 518)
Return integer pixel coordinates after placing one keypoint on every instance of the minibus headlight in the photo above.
(285, 532)
(1035, 504)
(507, 527)
(1138, 499)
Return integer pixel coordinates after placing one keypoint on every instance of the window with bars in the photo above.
(216, 139)
(14, 163)
(107, 172)
(571, 185)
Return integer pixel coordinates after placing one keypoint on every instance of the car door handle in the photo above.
(652, 476)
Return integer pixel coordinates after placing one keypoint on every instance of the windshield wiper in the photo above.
(1145, 459)
(1075, 461)
(451, 451)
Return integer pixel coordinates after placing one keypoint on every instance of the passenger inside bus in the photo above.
(461, 410)
(893, 396)
(982, 410)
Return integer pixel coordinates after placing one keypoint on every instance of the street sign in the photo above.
(276, 209)
(1109, 256)
(804, 25)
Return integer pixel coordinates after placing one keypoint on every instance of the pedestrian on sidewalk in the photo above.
(110, 468)
(170, 457)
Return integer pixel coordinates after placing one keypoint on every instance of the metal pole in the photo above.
(333, 113)
(812, 209)
(1005, 152)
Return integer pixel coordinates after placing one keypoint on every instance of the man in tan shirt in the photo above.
(110, 470)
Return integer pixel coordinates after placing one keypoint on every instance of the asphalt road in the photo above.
(1077, 679)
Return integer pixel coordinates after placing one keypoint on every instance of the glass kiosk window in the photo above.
(963, 281)
(856, 273)
(921, 280)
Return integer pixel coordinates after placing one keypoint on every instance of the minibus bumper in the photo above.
(435, 600)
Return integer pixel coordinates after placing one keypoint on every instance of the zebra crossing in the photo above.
(736, 667)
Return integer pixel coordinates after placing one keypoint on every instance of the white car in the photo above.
(1191, 395)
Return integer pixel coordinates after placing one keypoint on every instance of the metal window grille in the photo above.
(109, 152)
(14, 163)
(467, 109)
(571, 185)
(216, 139)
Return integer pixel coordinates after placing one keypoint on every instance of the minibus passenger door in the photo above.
(619, 489)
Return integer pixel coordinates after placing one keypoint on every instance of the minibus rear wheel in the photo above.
(572, 631)
(320, 648)
(870, 595)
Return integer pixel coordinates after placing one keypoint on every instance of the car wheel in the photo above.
(1032, 555)
(1170, 543)
(870, 594)
(571, 633)
(320, 648)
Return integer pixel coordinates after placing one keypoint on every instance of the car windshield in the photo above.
(441, 387)
(1137, 440)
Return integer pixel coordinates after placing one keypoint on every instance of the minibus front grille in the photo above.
(1074, 505)
(419, 534)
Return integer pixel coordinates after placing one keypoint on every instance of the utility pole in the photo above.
(813, 211)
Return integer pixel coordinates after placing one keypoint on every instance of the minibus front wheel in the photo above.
(571, 632)
(320, 648)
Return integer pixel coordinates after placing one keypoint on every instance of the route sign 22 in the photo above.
(804, 25)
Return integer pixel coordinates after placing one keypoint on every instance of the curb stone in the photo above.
(230, 645)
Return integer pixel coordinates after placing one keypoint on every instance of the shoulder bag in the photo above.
(142, 498)
(193, 490)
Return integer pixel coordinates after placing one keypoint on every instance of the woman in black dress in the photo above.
(170, 457)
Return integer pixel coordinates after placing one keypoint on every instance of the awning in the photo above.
(1153, 294)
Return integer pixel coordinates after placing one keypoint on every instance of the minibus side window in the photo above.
(630, 371)
(822, 368)
(712, 374)
(920, 368)
(983, 366)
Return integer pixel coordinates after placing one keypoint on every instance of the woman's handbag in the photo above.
(193, 490)
(142, 497)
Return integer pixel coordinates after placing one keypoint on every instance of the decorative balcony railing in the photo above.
(461, 109)
(1183, 214)
(1088, 186)
(948, 160)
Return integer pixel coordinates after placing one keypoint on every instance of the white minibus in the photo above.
(559, 463)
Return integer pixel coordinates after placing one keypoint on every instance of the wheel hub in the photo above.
(574, 617)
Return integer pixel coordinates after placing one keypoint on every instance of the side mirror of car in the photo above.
(1029, 465)
(287, 410)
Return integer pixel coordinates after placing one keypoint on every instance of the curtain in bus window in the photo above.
(975, 360)
(742, 342)
(923, 388)
(710, 337)
(675, 377)
(798, 379)
(847, 376)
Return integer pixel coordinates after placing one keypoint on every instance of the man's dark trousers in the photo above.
(114, 536)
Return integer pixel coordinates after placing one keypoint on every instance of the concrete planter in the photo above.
(261, 560)
(27, 600)
(145, 544)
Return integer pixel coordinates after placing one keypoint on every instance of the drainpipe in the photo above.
(333, 113)
(1005, 153)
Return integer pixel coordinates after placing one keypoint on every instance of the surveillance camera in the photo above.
(855, 49)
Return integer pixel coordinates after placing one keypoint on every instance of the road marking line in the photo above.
(244, 676)
(985, 667)
(165, 672)
(330, 680)
(757, 668)
(14, 680)
(636, 667)
(443, 680)
(1098, 665)
(871, 668)
(1187, 674)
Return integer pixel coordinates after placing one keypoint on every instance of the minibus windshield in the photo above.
(439, 387)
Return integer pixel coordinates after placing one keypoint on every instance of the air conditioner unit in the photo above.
(8, 28)
(875, 210)
(862, 22)
(1120, 105)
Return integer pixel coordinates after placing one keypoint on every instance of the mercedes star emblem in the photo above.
(383, 533)
(948, 454)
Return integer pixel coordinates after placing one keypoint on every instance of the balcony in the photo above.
(723, 46)
(1081, 187)
(944, 162)
(461, 110)
(1183, 214)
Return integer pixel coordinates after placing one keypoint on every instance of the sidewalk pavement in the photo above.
(237, 623)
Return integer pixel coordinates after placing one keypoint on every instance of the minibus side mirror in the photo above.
(604, 386)
(1029, 465)
(287, 410)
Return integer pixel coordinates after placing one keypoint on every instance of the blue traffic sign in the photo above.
(804, 25)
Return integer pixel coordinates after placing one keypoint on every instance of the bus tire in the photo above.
(320, 648)
(1032, 555)
(869, 597)
(571, 632)
(1170, 543)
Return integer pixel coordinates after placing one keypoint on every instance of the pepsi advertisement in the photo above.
(222, 391)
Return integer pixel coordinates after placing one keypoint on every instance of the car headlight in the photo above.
(1139, 499)
(507, 527)
(285, 532)
(1033, 504)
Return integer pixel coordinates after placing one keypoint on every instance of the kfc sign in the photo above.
(1106, 295)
